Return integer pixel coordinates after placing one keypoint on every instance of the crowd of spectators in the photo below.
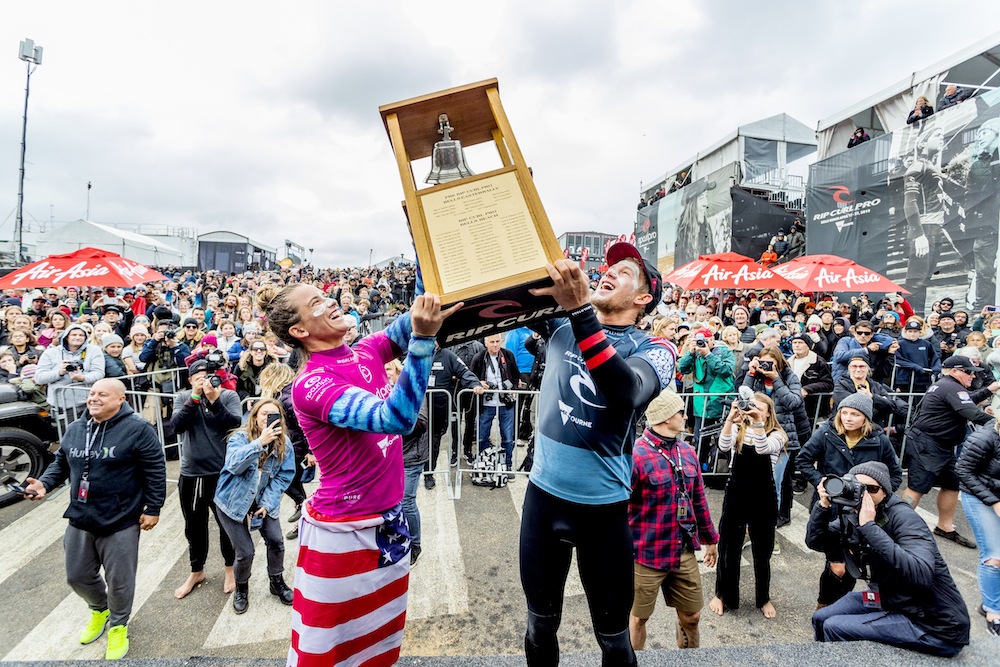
(824, 375)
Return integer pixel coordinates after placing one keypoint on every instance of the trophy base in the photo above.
(496, 312)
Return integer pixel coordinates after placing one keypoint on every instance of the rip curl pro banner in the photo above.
(919, 205)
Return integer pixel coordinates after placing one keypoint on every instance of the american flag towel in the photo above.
(351, 583)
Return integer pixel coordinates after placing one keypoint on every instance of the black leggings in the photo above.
(197, 495)
(746, 508)
(550, 528)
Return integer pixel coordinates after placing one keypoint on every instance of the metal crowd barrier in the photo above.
(463, 466)
(460, 408)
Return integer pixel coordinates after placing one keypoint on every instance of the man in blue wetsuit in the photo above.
(600, 374)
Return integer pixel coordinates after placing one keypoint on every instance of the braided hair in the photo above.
(275, 302)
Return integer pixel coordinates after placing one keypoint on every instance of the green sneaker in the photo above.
(117, 643)
(95, 627)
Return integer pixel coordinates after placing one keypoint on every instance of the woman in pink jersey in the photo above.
(352, 574)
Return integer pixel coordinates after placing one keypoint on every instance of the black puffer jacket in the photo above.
(978, 467)
(884, 402)
(912, 577)
(827, 448)
(789, 406)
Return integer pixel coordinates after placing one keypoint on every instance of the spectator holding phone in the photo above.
(260, 464)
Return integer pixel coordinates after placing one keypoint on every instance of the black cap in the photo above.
(946, 316)
(620, 251)
(949, 300)
(163, 313)
(197, 366)
(190, 320)
(958, 362)
(804, 338)
(913, 324)
(115, 307)
(861, 354)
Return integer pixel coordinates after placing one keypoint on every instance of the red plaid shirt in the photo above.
(665, 518)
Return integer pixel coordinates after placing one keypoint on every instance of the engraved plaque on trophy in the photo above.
(480, 238)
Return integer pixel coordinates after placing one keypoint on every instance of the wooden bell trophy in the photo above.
(480, 238)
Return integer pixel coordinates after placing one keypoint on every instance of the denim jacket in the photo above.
(240, 484)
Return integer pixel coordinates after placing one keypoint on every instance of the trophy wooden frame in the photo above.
(503, 198)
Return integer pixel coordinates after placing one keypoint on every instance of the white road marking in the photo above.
(438, 585)
(267, 618)
(32, 534)
(57, 636)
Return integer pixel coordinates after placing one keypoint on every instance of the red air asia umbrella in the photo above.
(87, 267)
(830, 273)
(726, 270)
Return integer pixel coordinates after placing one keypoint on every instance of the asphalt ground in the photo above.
(466, 602)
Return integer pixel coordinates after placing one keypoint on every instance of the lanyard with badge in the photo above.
(678, 473)
(84, 491)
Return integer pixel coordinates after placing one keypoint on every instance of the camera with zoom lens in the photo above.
(73, 367)
(170, 333)
(845, 491)
(214, 380)
(215, 360)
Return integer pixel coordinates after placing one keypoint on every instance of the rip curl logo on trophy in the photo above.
(480, 237)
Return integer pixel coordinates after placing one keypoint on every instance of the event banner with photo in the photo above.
(691, 221)
(919, 205)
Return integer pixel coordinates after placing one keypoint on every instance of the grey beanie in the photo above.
(859, 402)
(877, 471)
(108, 339)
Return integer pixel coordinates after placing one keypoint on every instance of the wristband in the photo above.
(196, 398)
(758, 425)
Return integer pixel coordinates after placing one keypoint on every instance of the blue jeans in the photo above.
(411, 478)
(506, 430)
(848, 619)
(986, 528)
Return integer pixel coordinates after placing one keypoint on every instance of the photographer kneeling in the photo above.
(912, 601)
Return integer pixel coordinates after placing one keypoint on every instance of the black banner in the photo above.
(756, 222)
(919, 205)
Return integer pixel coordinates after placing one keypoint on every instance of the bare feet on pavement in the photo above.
(194, 580)
(717, 606)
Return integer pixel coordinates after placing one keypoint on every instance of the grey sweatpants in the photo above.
(243, 542)
(118, 553)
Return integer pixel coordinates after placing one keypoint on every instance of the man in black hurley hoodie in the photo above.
(118, 482)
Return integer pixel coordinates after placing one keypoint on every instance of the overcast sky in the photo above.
(262, 117)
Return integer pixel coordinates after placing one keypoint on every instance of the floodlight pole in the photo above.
(31, 55)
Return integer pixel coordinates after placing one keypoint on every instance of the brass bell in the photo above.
(447, 160)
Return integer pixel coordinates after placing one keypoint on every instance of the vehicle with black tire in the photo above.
(27, 434)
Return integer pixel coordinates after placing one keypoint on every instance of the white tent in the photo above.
(787, 137)
(977, 67)
(83, 233)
